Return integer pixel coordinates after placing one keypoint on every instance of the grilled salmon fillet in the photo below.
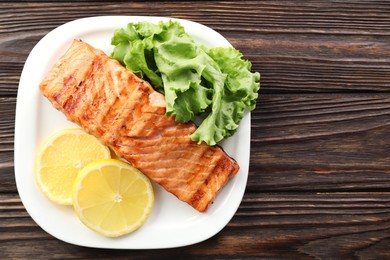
(128, 115)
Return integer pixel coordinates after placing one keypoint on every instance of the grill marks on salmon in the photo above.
(126, 114)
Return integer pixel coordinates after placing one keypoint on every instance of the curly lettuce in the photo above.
(194, 79)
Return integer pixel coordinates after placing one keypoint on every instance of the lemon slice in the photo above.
(112, 197)
(61, 157)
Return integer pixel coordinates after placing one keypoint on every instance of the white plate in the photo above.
(172, 223)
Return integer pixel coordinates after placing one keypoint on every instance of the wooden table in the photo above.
(319, 178)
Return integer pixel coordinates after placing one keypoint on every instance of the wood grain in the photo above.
(320, 142)
(297, 48)
(318, 185)
(266, 225)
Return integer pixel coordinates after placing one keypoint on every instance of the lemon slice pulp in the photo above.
(112, 197)
(61, 157)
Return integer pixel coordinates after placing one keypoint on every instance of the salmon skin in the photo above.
(128, 115)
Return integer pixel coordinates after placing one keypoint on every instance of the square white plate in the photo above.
(172, 223)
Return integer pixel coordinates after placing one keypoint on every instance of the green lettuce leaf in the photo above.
(194, 79)
(229, 103)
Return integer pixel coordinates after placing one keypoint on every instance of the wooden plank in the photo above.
(302, 63)
(320, 142)
(253, 16)
(298, 47)
(287, 226)
(7, 123)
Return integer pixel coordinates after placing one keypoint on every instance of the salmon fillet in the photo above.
(128, 115)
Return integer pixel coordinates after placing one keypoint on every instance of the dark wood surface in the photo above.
(319, 177)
